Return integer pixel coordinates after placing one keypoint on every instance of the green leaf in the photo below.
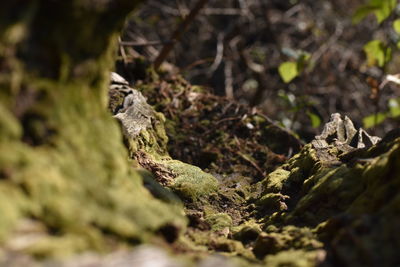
(362, 12)
(373, 120)
(396, 25)
(377, 53)
(388, 55)
(386, 8)
(315, 119)
(381, 9)
(305, 56)
(394, 107)
(303, 60)
(288, 71)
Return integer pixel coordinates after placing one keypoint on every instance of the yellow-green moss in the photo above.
(247, 231)
(81, 181)
(274, 181)
(296, 258)
(66, 165)
(191, 182)
(10, 127)
(219, 221)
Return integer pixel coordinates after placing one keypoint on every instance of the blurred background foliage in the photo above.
(299, 61)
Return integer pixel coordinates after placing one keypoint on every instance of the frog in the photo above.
(340, 136)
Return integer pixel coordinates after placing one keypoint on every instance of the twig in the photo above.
(207, 11)
(228, 79)
(259, 75)
(247, 157)
(253, 66)
(178, 33)
(395, 78)
(196, 63)
(326, 46)
(220, 54)
(228, 119)
(165, 8)
(122, 51)
(149, 43)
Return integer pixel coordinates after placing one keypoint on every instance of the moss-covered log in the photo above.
(335, 203)
(348, 201)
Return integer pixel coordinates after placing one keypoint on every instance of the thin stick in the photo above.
(220, 54)
(122, 51)
(178, 33)
(149, 43)
(228, 79)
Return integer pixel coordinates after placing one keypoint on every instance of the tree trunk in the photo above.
(63, 167)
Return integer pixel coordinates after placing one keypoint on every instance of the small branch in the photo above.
(122, 51)
(220, 54)
(222, 11)
(196, 63)
(253, 66)
(207, 11)
(228, 79)
(326, 46)
(395, 78)
(149, 43)
(178, 33)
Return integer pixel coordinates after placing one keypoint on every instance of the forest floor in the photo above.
(279, 201)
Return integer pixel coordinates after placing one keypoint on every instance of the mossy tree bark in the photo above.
(62, 161)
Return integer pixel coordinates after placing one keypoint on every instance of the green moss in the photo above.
(77, 180)
(10, 127)
(222, 244)
(343, 183)
(67, 245)
(296, 258)
(80, 183)
(219, 221)
(281, 239)
(191, 183)
(274, 181)
(272, 201)
(65, 166)
(246, 232)
(381, 177)
(12, 205)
